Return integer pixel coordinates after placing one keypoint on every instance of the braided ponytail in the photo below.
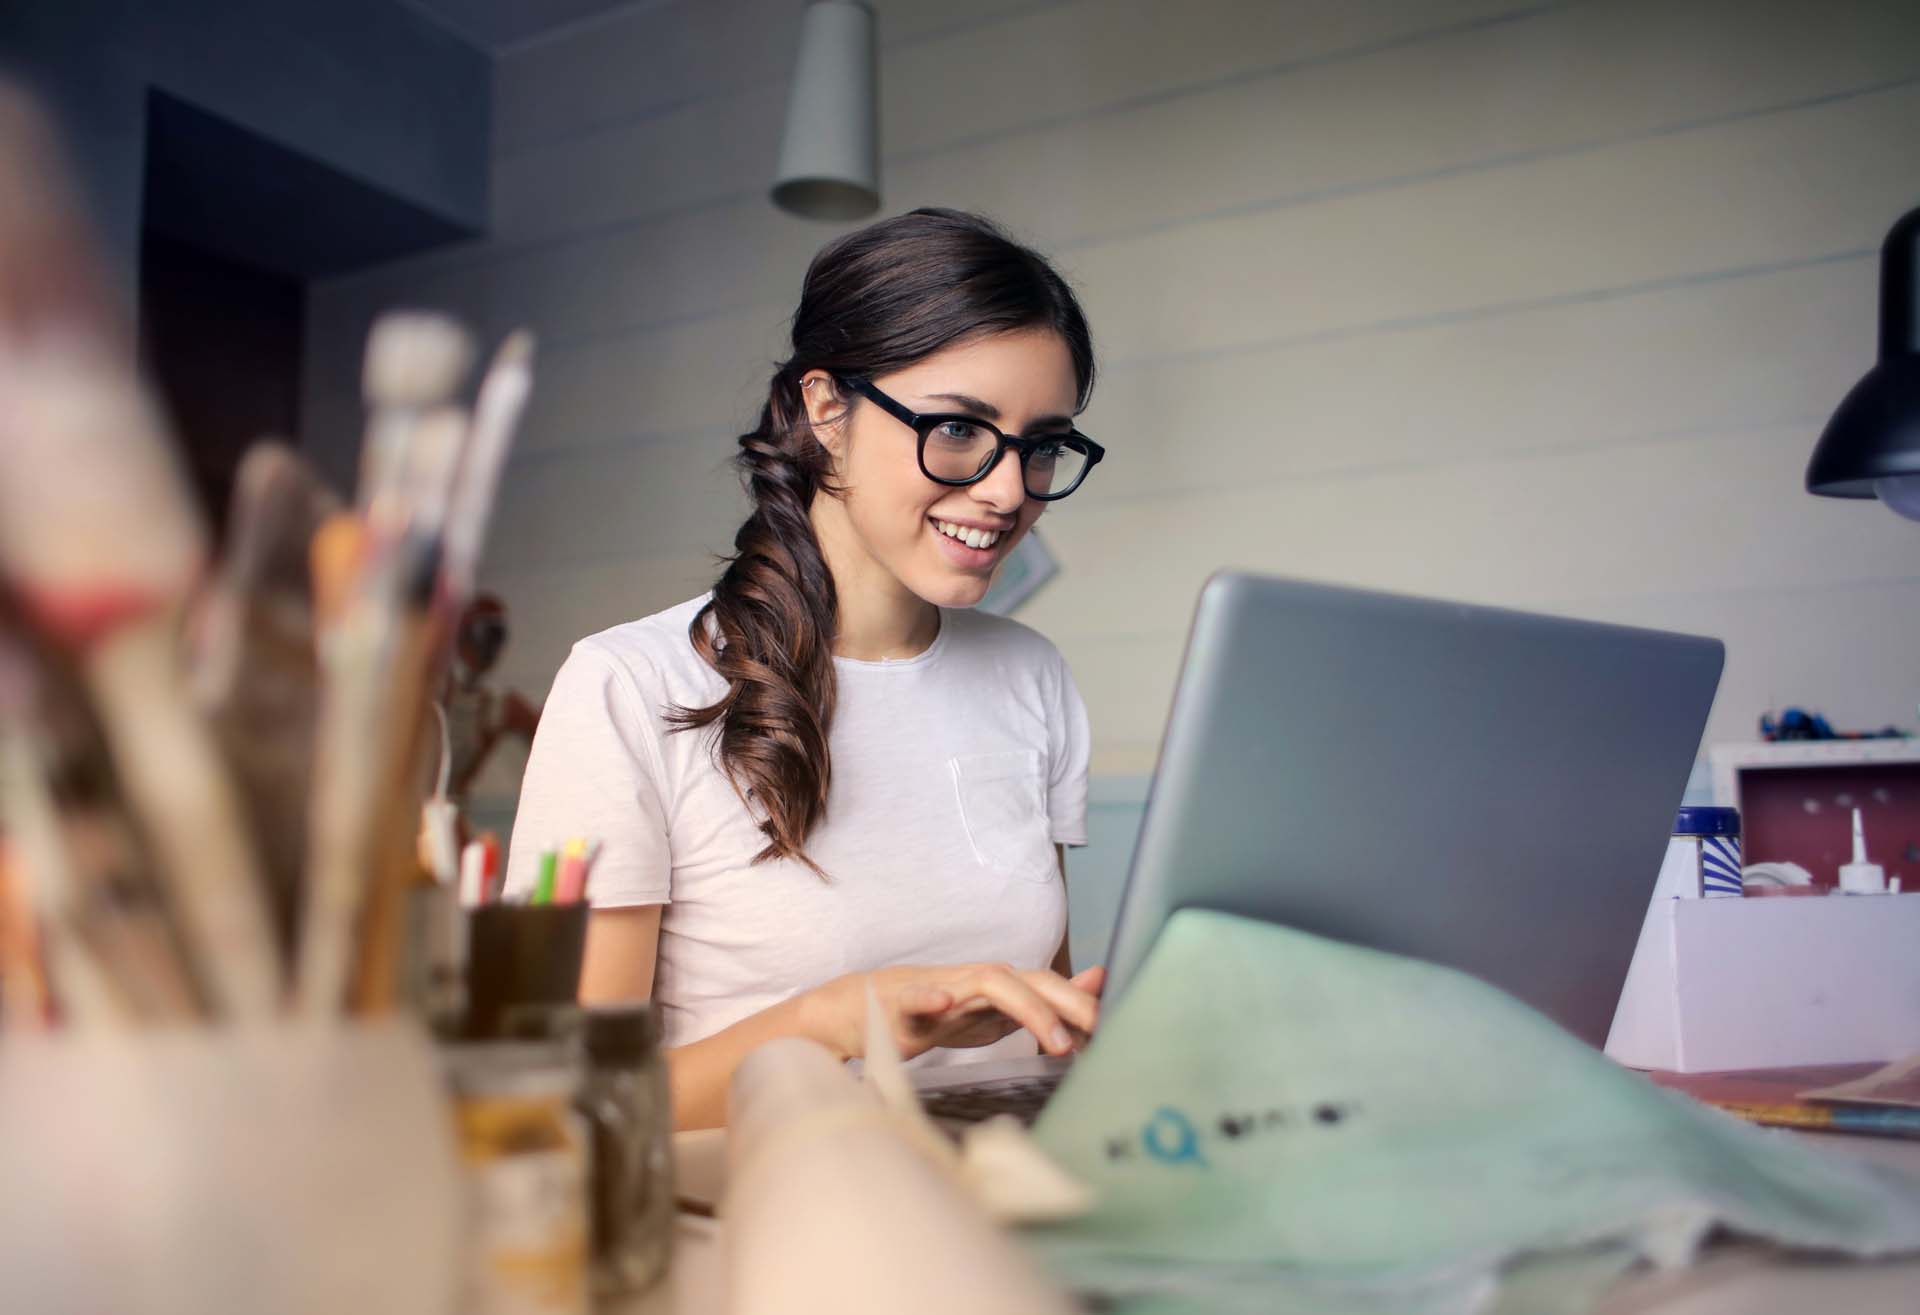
(875, 301)
(772, 632)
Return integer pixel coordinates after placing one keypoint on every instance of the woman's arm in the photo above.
(622, 945)
(617, 966)
(949, 1004)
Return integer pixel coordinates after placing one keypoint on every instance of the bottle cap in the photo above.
(1705, 821)
(622, 1035)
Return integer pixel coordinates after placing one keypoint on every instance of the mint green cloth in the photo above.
(1275, 1121)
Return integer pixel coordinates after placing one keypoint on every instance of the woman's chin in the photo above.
(951, 588)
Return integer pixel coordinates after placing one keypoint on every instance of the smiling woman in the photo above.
(830, 775)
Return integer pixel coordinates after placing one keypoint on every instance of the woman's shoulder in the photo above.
(652, 651)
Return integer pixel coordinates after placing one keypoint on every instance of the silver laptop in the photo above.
(1481, 788)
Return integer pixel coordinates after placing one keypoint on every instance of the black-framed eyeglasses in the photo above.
(958, 449)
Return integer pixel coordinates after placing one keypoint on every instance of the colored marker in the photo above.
(490, 878)
(543, 887)
(572, 884)
(473, 875)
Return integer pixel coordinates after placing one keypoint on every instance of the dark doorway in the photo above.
(233, 226)
(221, 342)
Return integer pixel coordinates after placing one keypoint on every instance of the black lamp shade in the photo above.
(1876, 432)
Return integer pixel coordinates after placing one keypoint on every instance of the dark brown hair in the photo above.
(875, 301)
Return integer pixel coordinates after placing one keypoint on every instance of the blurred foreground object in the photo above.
(188, 1172)
(836, 1205)
(100, 543)
(391, 580)
(206, 766)
(252, 656)
(84, 903)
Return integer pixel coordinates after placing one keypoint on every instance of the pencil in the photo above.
(1874, 1120)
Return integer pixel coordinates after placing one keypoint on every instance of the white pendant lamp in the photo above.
(830, 156)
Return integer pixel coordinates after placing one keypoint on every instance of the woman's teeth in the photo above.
(971, 537)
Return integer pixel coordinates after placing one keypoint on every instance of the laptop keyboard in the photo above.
(1020, 1097)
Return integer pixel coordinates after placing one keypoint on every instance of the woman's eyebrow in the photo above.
(989, 411)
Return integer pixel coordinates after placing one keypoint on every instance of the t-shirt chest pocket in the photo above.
(1003, 806)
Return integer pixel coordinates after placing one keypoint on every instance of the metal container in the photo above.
(625, 1099)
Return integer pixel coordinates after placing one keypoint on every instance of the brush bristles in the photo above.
(415, 358)
(516, 352)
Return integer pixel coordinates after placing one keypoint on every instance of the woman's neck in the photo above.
(879, 618)
(873, 634)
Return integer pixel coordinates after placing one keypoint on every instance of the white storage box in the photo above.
(1722, 984)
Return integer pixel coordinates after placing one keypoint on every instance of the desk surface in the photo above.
(1732, 1279)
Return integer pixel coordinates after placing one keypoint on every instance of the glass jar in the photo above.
(523, 1149)
(626, 1103)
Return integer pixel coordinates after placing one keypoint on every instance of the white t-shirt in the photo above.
(955, 772)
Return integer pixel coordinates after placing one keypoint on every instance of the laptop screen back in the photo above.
(1486, 789)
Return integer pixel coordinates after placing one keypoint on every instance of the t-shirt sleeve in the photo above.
(1068, 748)
(595, 772)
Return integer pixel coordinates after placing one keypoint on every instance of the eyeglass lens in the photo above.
(956, 450)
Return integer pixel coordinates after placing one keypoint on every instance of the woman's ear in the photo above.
(826, 409)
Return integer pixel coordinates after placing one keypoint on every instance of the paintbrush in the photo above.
(377, 651)
(100, 541)
(26, 1000)
(496, 416)
(431, 468)
(416, 361)
(252, 663)
(86, 885)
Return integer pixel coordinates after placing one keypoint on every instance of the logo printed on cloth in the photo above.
(1170, 1136)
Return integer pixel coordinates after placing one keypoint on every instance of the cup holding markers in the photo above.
(523, 964)
(525, 948)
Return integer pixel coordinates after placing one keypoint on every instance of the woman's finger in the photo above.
(1013, 997)
(1073, 1003)
(1092, 980)
(921, 998)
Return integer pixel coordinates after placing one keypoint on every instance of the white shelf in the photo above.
(1729, 760)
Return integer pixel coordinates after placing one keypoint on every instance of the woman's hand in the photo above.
(968, 1004)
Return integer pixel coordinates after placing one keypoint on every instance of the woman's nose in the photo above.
(1005, 488)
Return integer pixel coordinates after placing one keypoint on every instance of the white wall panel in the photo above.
(1776, 655)
(1722, 511)
(1536, 304)
(1720, 353)
(1777, 188)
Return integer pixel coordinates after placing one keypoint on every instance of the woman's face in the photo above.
(1022, 381)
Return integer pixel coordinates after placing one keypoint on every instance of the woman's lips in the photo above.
(964, 556)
